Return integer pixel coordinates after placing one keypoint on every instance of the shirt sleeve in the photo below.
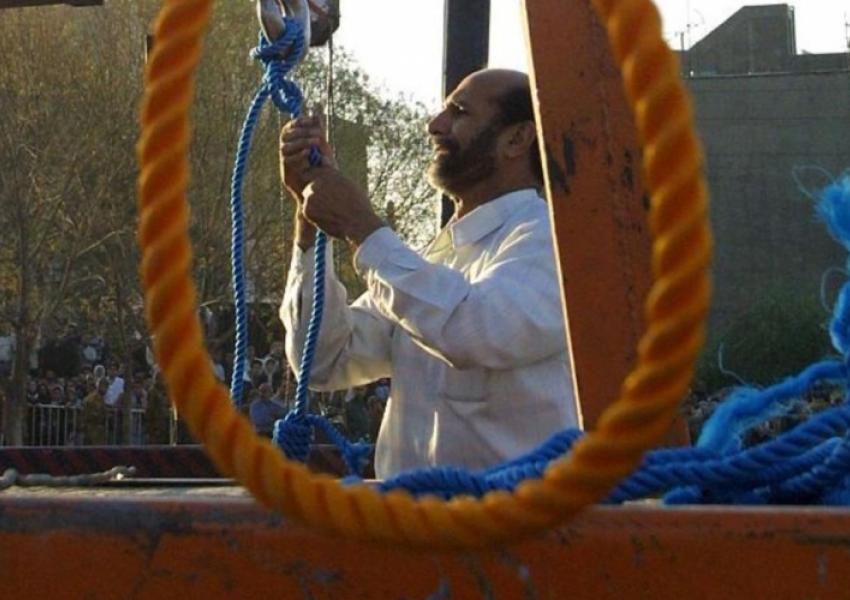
(507, 316)
(354, 341)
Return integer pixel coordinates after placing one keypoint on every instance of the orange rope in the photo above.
(675, 311)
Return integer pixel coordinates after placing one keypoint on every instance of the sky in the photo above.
(399, 42)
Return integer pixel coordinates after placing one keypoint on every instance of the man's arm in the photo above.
(354, 341)
(508, 316)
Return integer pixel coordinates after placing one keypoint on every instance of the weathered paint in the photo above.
(194, 545)
(596, 194)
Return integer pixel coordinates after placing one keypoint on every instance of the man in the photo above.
(158, 413)
(472, 332)
(93, 418)
(115, 391)
(264, 410)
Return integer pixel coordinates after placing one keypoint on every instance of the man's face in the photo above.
(456, 167)
(465, 136)
(256, 368)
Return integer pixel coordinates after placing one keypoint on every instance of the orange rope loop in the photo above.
(675, 311)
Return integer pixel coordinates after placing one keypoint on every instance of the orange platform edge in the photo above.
(195, 545)
(148, 544)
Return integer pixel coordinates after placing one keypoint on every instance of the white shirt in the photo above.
(472, 335)
(7, 348)
(114, 391)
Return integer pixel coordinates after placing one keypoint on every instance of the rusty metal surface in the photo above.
(596, 194)
(182, 461)
(217, 543)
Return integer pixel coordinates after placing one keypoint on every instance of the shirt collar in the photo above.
(488, 217)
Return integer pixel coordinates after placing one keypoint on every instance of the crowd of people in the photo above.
(268, 394)
(96, 406)
(102, 400)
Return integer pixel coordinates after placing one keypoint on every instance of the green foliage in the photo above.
(67, 161)
(781, 334)
(70, 88)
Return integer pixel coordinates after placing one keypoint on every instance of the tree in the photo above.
(54, 187)
(70, 87)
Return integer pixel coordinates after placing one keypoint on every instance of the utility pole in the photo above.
(29, 3)
(847, 39)
(847, 32)
(466, 49)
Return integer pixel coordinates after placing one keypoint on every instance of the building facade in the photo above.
(764, 113)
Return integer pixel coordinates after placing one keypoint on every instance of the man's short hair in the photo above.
(515, 107)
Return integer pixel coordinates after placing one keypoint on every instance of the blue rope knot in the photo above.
(285, 93)
(355, 455)
(279, 58)
(294, 435)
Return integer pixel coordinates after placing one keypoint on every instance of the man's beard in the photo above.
(459, 169)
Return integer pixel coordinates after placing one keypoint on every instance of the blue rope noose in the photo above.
(294, 434)
(288, 98)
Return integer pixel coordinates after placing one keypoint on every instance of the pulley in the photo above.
(318, 18)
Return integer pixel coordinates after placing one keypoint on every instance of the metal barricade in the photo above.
(52, 424)
(117, 431)
(61, 425)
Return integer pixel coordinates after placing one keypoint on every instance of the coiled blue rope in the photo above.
(294, 434)
(809, 464)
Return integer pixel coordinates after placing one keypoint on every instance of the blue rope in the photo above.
(450, 481)
(294, 434)
(287, 97)
(785, 457)
(809, 464)
(747, 407)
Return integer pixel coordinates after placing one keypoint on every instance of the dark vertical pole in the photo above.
(466, 49)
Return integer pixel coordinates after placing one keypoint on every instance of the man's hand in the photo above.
(297, 137)
(338, 206)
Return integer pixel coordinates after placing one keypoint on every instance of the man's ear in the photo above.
(521, 137)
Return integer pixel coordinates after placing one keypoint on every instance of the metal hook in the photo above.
(324, 16)
(271, 14)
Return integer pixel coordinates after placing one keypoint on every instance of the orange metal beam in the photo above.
(596, 194)
(195, 546)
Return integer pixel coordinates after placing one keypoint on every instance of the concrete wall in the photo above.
(756, 39)
(756, 130)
